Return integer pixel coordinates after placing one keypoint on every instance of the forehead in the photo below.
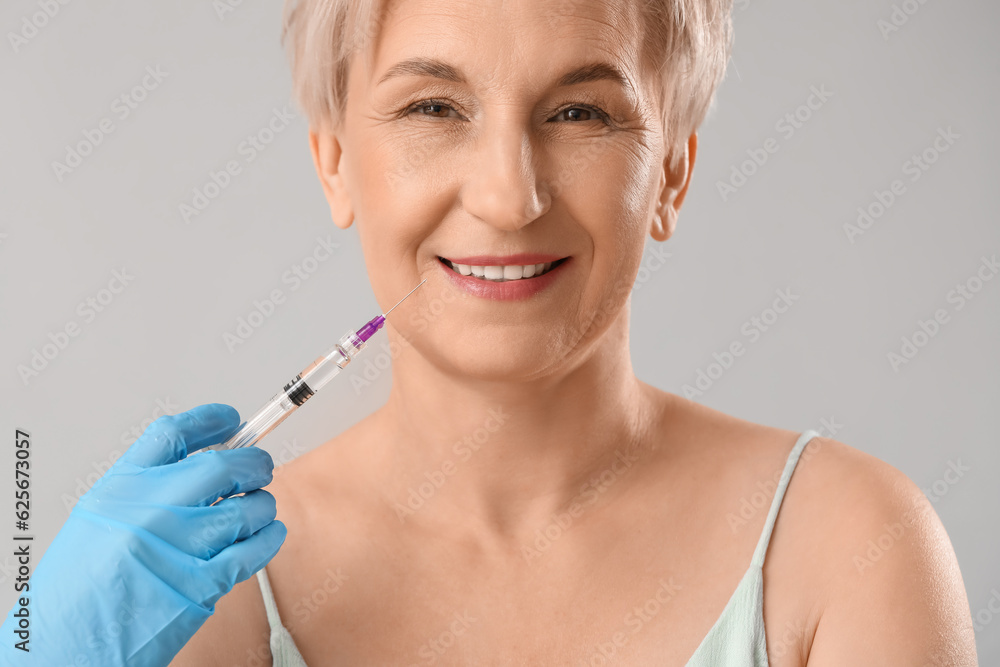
(504, 41)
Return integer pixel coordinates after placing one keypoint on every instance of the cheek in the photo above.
(410, 165)
(400, 195)
(609, 190)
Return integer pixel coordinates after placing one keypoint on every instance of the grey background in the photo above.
(160, 341)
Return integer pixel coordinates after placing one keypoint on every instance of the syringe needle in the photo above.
(404, 298)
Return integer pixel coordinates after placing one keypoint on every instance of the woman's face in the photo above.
(517, 126)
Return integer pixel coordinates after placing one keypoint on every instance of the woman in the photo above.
(522, 498)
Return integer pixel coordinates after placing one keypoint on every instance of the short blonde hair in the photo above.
(688, 43)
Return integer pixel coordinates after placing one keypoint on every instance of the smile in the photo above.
(502, 273)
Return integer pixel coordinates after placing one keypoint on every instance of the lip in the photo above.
(511, 290)
(505, 260)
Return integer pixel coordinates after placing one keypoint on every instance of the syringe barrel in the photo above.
(315, 376)
(321, 371)
(261, 423)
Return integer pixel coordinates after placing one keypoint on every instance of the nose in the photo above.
(503, 188)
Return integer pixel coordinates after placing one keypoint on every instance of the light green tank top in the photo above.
(736, 640)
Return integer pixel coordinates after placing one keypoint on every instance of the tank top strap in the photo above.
(273, 619)
(786, 474)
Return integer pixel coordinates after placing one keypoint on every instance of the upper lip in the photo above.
(522, 258)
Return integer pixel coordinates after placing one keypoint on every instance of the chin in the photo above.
(510, 358)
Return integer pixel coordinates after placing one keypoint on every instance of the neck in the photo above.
(502, 457)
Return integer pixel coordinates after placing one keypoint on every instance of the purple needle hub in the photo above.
(367, 331)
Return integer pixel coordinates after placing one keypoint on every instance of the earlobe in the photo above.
(664, 224)
(673, 187)
(326, 152)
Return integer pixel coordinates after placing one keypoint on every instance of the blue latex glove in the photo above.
(145, 554)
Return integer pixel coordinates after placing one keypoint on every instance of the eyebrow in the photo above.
(598, 71)
(423, 67)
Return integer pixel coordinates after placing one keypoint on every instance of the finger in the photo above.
(228, 521)
(201, 532)
(239, 561)
(200, 581)
(203, 479)
(172, 437)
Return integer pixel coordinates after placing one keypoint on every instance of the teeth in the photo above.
(501, 273)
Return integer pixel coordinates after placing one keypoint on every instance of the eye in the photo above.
(436, 107)
(579, 113)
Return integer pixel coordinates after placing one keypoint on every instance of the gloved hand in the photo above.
(145, 554)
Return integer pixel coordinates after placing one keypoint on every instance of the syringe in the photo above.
(308, 382)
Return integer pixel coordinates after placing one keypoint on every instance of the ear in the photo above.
(326, 152)
(673, 188)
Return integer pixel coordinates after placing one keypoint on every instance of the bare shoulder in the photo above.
(859, 559)
(893, 592)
